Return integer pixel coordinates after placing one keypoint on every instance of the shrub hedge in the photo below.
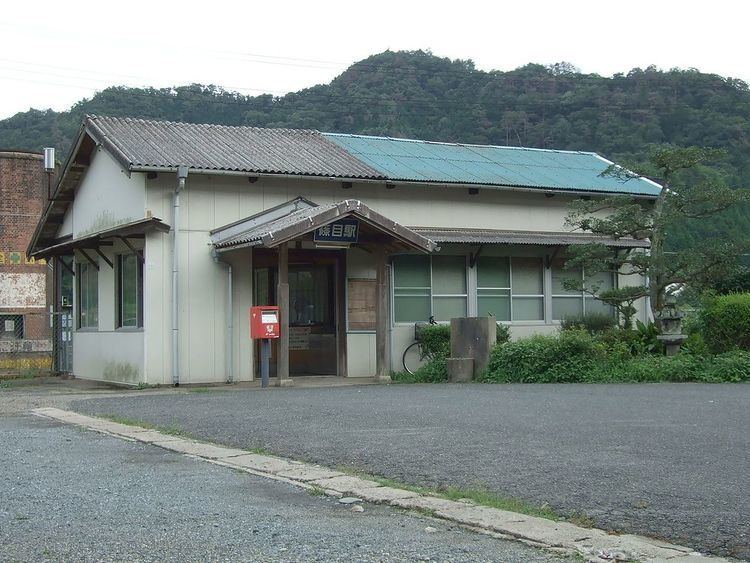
(577, 356)
(725, 322)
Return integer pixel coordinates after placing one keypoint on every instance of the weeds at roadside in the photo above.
(429, 512)
(580, 519)
(258, 450)
(172, 429)
(478, 495)
(316, 491)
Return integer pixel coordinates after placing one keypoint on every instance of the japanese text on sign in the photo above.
(344, 231)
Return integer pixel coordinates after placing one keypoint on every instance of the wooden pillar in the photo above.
(282, 298)
(341, 304)
(382, 372)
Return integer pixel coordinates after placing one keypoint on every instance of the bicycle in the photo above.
(412, 358)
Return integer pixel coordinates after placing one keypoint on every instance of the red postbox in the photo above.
(264, 322)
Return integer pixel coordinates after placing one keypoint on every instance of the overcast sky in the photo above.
(55, 53)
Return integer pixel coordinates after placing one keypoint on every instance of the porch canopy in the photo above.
(95, 241)
(298, 220)
(494, 236)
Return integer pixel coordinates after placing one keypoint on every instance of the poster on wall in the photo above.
(361, 306)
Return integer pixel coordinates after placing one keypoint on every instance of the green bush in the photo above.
(577, 356)
(726, 322)
(731, 366)
(545, 358)
(503, 333)
(639, 341)
(435, 341)
(592, 323)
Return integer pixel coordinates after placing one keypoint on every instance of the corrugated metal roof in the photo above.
(166, 144)
(303, 221)
(491, 236)
(253, 235)
(425, 161)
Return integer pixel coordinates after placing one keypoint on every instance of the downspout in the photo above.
(230, 317)
(182, 172)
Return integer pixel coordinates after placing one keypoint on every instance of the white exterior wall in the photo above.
(360, 345)
(209, 202)
(212, 201)
(106, 197)
(107, 353)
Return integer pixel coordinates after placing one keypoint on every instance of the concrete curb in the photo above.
(561, 537)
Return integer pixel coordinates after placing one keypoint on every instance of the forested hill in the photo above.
(415, 94)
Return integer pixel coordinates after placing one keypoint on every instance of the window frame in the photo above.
(511, 294)
(119, 299)
(431, 295)
(473, 289)
(582, 295)
(90, 270)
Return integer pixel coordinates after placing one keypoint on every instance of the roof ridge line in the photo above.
(453, 144)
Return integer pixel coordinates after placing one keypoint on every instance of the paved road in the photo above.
(73, 495)
(671, 461)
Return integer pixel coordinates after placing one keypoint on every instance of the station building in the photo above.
(175, 230)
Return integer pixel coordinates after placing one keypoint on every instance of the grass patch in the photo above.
(171, 430)
(204, 390)
(316, 491)
(494, 500)
(259, 451)
(477, 495)
(580, 519)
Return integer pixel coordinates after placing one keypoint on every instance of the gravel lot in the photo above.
(670, 461)
(75, 495)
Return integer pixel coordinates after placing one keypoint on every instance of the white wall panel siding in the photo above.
(211, 201)
(107, 353)
(111, 356)
(361, 354)
(106, 197)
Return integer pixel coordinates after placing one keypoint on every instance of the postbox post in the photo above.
(264, 326)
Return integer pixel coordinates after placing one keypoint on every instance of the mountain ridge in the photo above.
(414, 94)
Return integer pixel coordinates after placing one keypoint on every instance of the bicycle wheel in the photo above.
(412, 358)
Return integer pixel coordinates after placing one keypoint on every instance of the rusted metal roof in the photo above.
(141, 143)
(306, 220)
(491, 236)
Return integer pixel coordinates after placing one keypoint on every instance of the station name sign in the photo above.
(343, 231)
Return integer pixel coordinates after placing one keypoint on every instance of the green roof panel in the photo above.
(431, 162)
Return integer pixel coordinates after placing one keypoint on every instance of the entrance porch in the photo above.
(300, 253)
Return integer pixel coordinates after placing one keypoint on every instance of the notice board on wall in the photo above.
(361, 307)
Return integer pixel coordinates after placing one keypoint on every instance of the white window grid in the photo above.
(429, 291)
(511, 295)
(583, 296)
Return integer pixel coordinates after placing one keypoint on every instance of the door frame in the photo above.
(268, 258)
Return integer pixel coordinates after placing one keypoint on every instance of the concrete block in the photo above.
(152, 436)
(308, 473)
(263, 463)
(345, 483)
(383, 495)
(460, 370)
(473, 337)
(200, 449)
(426, 503)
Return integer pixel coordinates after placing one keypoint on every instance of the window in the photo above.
(425, 286)
(571, 303)
(510, 288)
(129, 291)
(88, 296)
(11, 327)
